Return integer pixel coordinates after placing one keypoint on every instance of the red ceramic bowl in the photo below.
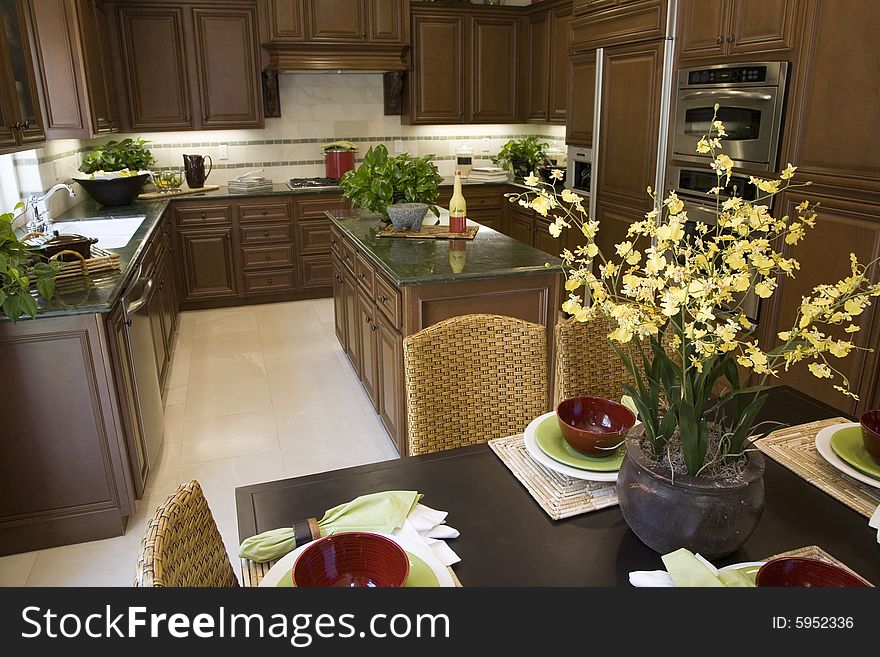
(351, 559)
(593, 425)
(801, 572)
(870, 422)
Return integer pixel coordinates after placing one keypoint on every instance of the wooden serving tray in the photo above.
(152, 196)
(430, 233)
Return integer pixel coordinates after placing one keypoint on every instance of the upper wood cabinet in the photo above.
(722, 28)
(560, 20)
(464, 66)
(388, 21)
(545, 65)
(581, 99)
(337, 21)
(617, 22)
(73, 70)
(190, 67)
(379, 22)
(22, 121)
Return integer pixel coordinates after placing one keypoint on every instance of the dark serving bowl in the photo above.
(114, 191)
(870, 422)
(802, 572)
(594, 425)
(351, 559)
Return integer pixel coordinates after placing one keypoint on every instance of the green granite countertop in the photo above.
(410, 261)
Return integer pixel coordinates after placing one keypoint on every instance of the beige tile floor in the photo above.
(255, 393)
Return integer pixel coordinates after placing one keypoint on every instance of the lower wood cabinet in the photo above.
(368, 327)
(389, 345)
(206, 256)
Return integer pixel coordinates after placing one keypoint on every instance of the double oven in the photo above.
(751, 101)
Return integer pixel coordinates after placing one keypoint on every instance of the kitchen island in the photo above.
(386, 289)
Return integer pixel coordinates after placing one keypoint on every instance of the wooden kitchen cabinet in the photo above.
(582, 99)
(587, 6)
(371, 22)
(544, 67)
(22, 121)
(352, 324)
(74, 73)
(493, 93)
(437, 88)
(560, 19)
(617, 22)
(388, 21)
(390, 379)
(337, 21)
(729, 28)
(207, 264)
(190, 67)
(521, 224)
(368, 328)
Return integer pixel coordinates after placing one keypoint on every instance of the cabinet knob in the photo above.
(362, 276)
(264, 212)
(268, 256)
(369, 320)
(204, 216)
(269, 281)
(729, 38)
(375, 327)
(265, 233)
(719, 40)
(26, 125)
(383, 299)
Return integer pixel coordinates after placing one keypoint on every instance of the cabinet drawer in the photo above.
(200, 215)
(314, 236)
(477, 197)
(365, 274)
(313, 206)
(278, 232)
(388, 301)
(268, 256)
(274, 281)
(268, 211)
(335, 241)
(316, 270)
(348, 255)
(489, 219)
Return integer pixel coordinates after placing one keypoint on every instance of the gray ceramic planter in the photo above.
(712, 517)
(407, 216)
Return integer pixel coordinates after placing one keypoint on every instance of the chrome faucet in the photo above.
(39, 219)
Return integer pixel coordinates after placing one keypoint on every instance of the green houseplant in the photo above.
(381, 181)
(692, 479)
(19, 265)
(521, 157)
(116, 172)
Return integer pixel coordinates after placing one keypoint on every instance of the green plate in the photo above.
(847, 444)
(548, 435)
(420, 575)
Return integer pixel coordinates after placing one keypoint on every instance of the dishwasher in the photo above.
(135, 305)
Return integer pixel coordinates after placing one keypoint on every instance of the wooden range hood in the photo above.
(339, 57)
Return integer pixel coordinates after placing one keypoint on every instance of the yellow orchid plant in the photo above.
(664, 288)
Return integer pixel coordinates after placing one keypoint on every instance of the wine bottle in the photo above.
(457, 207)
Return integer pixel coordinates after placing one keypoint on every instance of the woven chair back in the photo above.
(473, 378)
(182, 546)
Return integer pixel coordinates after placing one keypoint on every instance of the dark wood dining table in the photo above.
(507, 539)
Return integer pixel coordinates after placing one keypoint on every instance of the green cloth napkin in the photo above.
(688, 571)
(377, 512)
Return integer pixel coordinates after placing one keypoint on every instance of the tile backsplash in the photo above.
(316, 108)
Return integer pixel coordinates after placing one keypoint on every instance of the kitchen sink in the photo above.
(112, 233)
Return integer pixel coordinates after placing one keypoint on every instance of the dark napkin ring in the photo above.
(305, 531)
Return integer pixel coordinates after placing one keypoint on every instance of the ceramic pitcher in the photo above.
(194, 166)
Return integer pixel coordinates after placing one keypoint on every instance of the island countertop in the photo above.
(410, 261)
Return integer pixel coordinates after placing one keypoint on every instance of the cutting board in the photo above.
(152, 196)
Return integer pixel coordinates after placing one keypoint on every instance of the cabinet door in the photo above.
(339, 303)
(544, 240)
(154, 61)
(226, 51)
(388, 21)
(92, 28)
(522, 225)
(761, 26)
(285, 21)
(367, 329)
(392, 403)
(703, 28)
(493, 89)
(352, 325)
(207, 263)
(437, 81)
(21, 82)
(537, 60)
(337, 21)
(558, 92)
(630, 123)
(581, 100)
(123, 374)
(843, 227)
(156, 315)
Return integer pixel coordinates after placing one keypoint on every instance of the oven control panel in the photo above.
(741, 74)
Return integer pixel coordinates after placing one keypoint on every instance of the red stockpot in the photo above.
(337, 162)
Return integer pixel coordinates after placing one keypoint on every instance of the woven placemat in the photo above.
(815, 552)
(795, 448)
(430, 233)
(560, 496)
(252, 573)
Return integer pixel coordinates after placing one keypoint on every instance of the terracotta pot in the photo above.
(713, 517)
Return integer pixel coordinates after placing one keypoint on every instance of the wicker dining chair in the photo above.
(586, 365)
(182, 546)
(473, 378)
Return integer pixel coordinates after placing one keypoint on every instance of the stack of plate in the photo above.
(841, 445)
(545, 444)
(250, 185)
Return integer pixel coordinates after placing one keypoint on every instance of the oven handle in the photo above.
(727, 94)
